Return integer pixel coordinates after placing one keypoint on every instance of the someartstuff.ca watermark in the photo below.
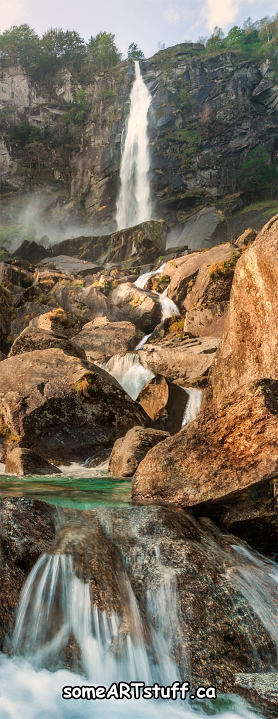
(138, 690)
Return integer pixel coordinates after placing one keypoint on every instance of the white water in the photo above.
(193, 405)
(81, 470)
(141, 343)
(168, 307)
(134, 202)
(142, 279)
(131, 375)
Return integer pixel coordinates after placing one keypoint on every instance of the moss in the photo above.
(176, 326)
(223, 268)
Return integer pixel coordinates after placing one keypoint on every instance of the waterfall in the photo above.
(168, 307)
(193, 405)
(56, 606)
(129, 372)
(134, 202)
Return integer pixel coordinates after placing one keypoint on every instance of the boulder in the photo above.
(31, 251)
(138, 306)
(100, 338)
(188, 359)
(129, 450)
(154, 397)
(24, 314)
(232, 445)
(70, 265)
(61, 323)
(203, 229)
(22, 461)
(86, 303)
(32, 339)
(134, 246)
(183, 270)
(54, 404)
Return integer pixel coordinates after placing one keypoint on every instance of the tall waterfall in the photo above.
(134, 202)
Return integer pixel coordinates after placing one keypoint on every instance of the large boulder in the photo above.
(154, 397)
(100, 338)
(82, 302)
(129, 450)
(189, 358)
(32, 339)
(22, 461)
(134, 246)
(183, 270)
(52, 403)
(70, 265)
(232, 446)
(138, 306)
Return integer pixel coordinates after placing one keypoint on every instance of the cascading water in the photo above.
(142, 279)
(134, 202)
(193, 405)
(131, 375)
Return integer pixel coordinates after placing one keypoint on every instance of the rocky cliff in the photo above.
(207, 113)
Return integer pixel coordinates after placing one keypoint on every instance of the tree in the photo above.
(60, 48)
(134, 53)
(21, 43)
(235, 35)
(102, 52)
(257, 174)
(216, 40)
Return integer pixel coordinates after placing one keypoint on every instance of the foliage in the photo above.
(253, 40)
(102, 52)
(134, 53)
(79, 109)
(257, 174)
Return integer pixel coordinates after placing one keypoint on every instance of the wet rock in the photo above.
(261, 690)
(189, 358)
(154, 397)
(54, 404)
(27, 530)
(202, 230)
(138, 306)
(128, 451)
(22, 461)
(100, 338)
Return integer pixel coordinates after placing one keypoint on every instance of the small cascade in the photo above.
(142, 279)
(168, 307)
(134, 202)
(140, 344)
(193, 405)
(56, 607)
(131, 375)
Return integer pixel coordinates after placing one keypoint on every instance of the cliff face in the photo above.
(207, 113)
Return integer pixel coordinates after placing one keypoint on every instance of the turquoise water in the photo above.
(62, 491)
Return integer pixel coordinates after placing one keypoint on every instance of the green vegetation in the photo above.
(134, 53)
(223, 268)
(254, 40)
